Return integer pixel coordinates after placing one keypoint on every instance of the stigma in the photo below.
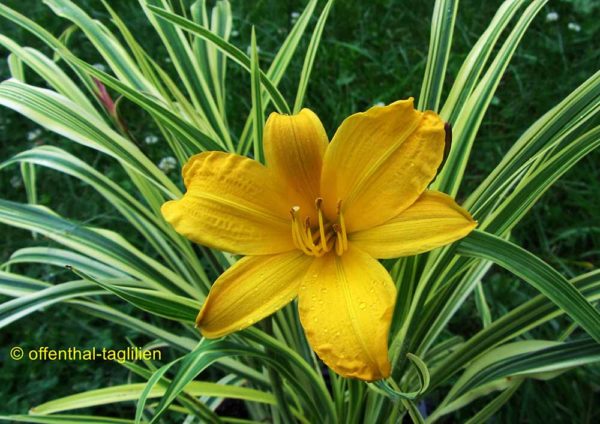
(321, 237)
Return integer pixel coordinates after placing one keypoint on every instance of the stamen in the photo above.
(343, 225)
(309, 237)
(293, 212)
(339, 245)
(297, 231)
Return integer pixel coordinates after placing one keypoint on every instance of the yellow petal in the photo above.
(346, 304)
(253, 288)
(231, 204)
(380, 161)
(432, 221)
(294, 148)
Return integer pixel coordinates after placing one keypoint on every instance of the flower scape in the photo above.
(313, 222)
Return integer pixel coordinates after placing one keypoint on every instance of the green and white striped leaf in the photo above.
(532, 358)
(531, 314)
(15, 285)
(311, 54)
(64, 419)
(166, 305)
(257, 108)
(130, 392)
(107, 246)
(468, 122)
(228, 49)
(20, 307)
(440, 43)
(537, 273)
(61, 258)
(61, 115)
(154, 229)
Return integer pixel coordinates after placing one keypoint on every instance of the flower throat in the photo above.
(317, 240)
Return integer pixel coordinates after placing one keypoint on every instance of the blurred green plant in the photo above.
(82, 103)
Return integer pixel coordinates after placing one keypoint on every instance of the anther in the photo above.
(294, 211)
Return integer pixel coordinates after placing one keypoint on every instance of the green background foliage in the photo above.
(371, 52)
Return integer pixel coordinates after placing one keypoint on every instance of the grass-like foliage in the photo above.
(270, 366)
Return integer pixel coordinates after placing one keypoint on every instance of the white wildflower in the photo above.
(552, 17)
(32, 135)
(100, 67)
(574, 26)
(16, 182)
(249, 50)
(151, 139)
(235, 33)
(167, 164)
(294, 16)
(379, 104)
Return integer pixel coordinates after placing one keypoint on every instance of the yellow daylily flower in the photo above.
(313, 222)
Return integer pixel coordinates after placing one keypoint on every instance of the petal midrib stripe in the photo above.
(351, 308)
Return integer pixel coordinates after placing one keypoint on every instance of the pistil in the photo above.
(324, 245)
